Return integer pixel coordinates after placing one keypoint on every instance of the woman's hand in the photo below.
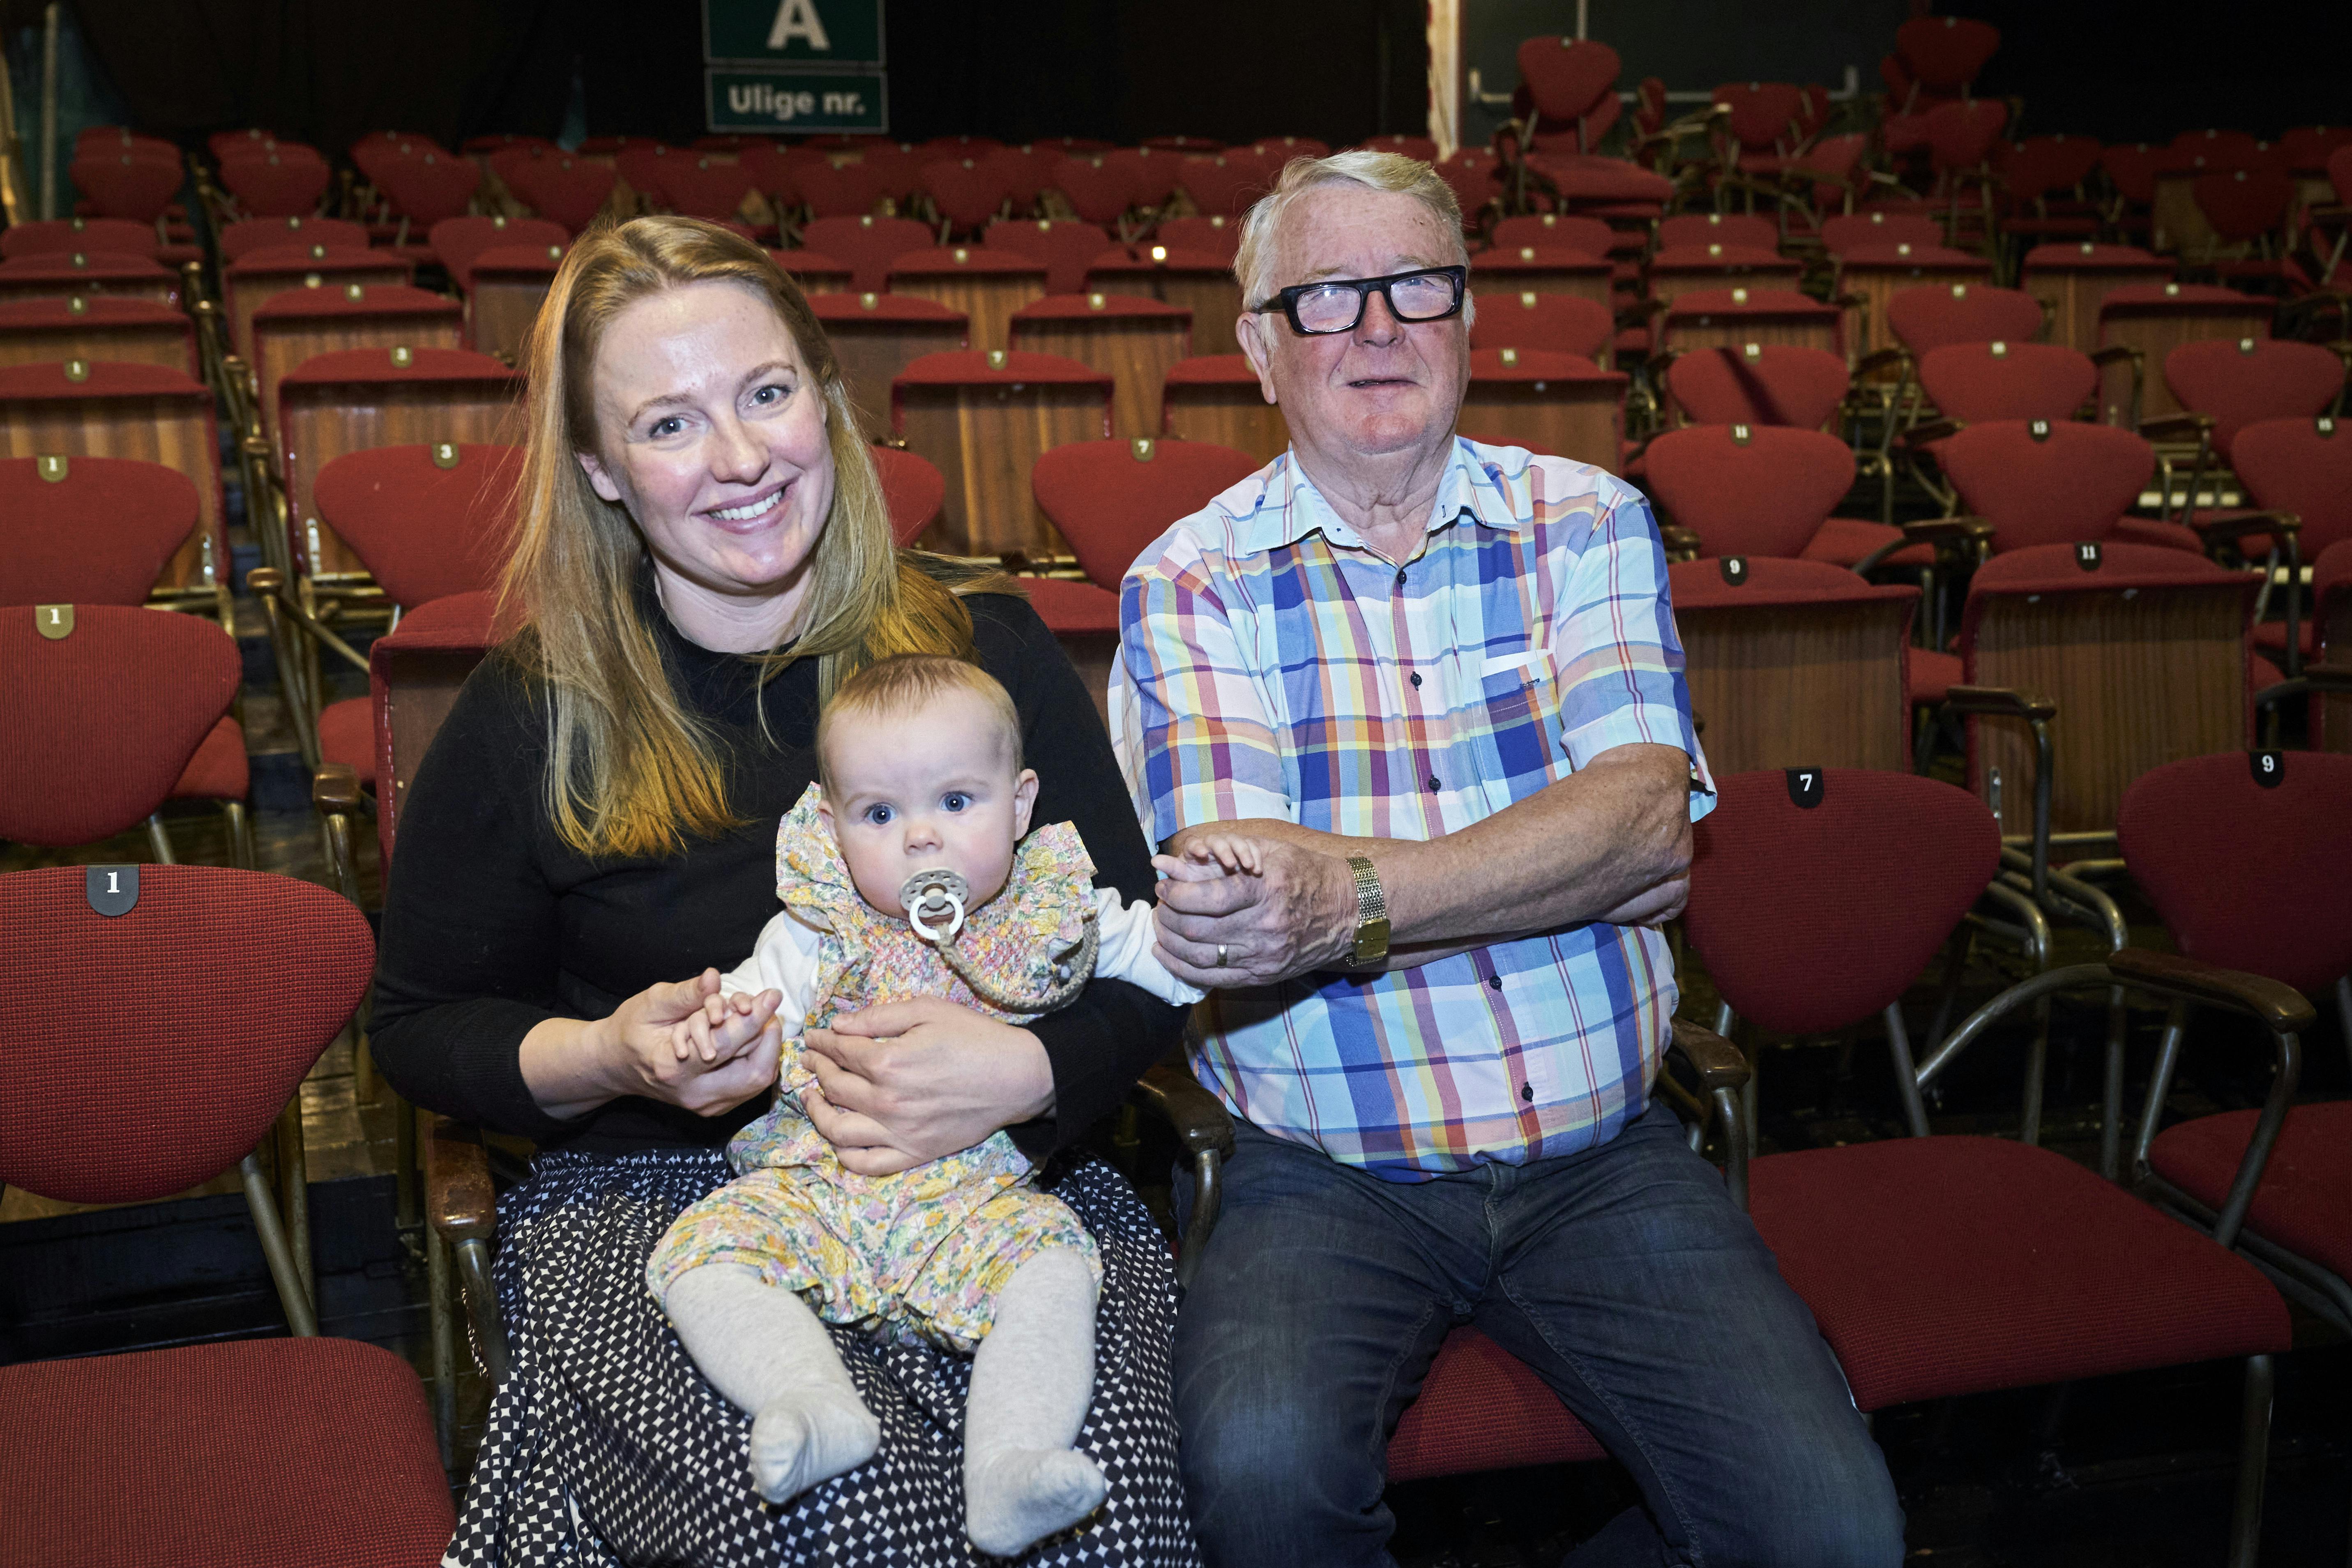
(905, 1083)
(573, 1067)
(1297, 914)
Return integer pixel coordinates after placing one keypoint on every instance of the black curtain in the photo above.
(326, 71)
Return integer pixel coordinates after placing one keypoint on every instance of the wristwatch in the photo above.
(1372, 944)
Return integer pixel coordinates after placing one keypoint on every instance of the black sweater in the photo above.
(491, 922)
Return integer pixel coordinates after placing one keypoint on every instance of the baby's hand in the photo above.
(722, 1030)
(1210, 856)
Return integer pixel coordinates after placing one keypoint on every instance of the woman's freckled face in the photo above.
(711, 432)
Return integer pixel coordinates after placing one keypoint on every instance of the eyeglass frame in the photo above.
(1286, 300)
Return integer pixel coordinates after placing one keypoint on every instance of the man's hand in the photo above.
(905, 1083)
(1297, 915)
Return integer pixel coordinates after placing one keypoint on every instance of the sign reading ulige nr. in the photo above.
(773, 100)
(792, 32)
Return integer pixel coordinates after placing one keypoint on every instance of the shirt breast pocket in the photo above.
(1517, 752)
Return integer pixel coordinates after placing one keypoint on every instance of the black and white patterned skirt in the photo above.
(606, 1446)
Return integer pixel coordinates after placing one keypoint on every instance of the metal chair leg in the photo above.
(240, 834)
(160, 842)
(439, 1281)
(1907, 1071)
(294, 1187)
(301, 1316)
(2037, 1071)
(2253, 1462)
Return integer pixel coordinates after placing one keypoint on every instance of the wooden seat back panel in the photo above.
(500, 311)
(1232, 415)
(1213, 297)
(322, 423)
(249, 293)
(1581, 420)
(872, 353)
(2139, 681)
(279, 347)
(2156, 335)
(1136, 352)
(172, 345)
(1791, 686)
(178, 432)
(987, 300)
(984, 439)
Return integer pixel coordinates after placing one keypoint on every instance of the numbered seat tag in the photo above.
(2087, 556)
(56, 622)
(1805, 788)
(112, 889)
(2269, 768)
(1734, 570)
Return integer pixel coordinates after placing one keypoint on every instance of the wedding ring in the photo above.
(1220, 955)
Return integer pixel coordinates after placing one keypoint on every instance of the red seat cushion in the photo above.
(1950, 1264)
(2305, 1203)
(2271, 637)
(2149, 531)
(1842, 540)
(1072, 608)
(267, 1453)
(219, 769)
(347, 735)
(1482, 1408)
(1929, 676)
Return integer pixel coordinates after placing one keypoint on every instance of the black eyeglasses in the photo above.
(1337, 304)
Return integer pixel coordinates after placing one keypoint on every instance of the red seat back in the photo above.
(2251, 380)
(98, 533)
(429, 185)
(2248, 876)
(1813, 918)
(1930, 316)
(1111, 499)
(2302, 466)
(1566, 77)
(1961, 135)
(1766, 494)
(1758, 383)
(1763, 113)
(127, 185)
(60, 237)
(1702, 229)
(277, 186)
(222, 988)
(246, 235)
(869, 244)
(1845, 232)
(1557, 324)
(966, 192)
(2070, 482)
(914, 490)
(426, 521)
(567, 191)
(97, 726)
(459, 241)
(706, 188)
(1975, 383)
(1066, 246)
(1944, 54)
(2243, 203)
(1588, 236)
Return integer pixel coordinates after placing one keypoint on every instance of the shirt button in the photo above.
(1526, 1091)
(1400, 576)
(1494, 981)
(1432, 783)
(1415, 679)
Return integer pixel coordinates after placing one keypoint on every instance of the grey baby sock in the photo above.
(1032, 1379)
(761, 1347)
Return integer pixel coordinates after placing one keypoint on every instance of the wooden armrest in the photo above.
(2166, 425)
(1200, 1120)
(1716, 1060)
(1941, 529)
(1999, 701)
(2286, 524)
(335, 788)
(459, 1200)
(2281, 1008)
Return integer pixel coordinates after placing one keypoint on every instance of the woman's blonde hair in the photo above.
(631, 771)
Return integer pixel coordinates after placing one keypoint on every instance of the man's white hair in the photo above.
(1391, 171)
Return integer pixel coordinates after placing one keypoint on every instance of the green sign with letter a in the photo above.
(792, 32)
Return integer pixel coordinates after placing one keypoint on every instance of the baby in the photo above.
(908, 870)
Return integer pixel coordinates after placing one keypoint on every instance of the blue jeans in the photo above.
(1623, 1276)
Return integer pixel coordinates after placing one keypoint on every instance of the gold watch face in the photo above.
(1371, 941)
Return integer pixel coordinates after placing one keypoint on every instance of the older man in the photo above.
(1442, 680)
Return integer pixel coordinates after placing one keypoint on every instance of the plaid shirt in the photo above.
(1272, 666)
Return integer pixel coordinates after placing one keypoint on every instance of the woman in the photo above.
(703, 554)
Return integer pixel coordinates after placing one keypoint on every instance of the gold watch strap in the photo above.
(1371, 941)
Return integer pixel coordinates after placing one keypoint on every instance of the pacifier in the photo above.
(936, 895)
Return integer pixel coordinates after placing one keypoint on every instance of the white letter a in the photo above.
(797, 18)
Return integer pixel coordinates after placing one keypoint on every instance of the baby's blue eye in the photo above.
(954, 800)
(879, 816)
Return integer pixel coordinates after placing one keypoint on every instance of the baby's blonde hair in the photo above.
(904, 684)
